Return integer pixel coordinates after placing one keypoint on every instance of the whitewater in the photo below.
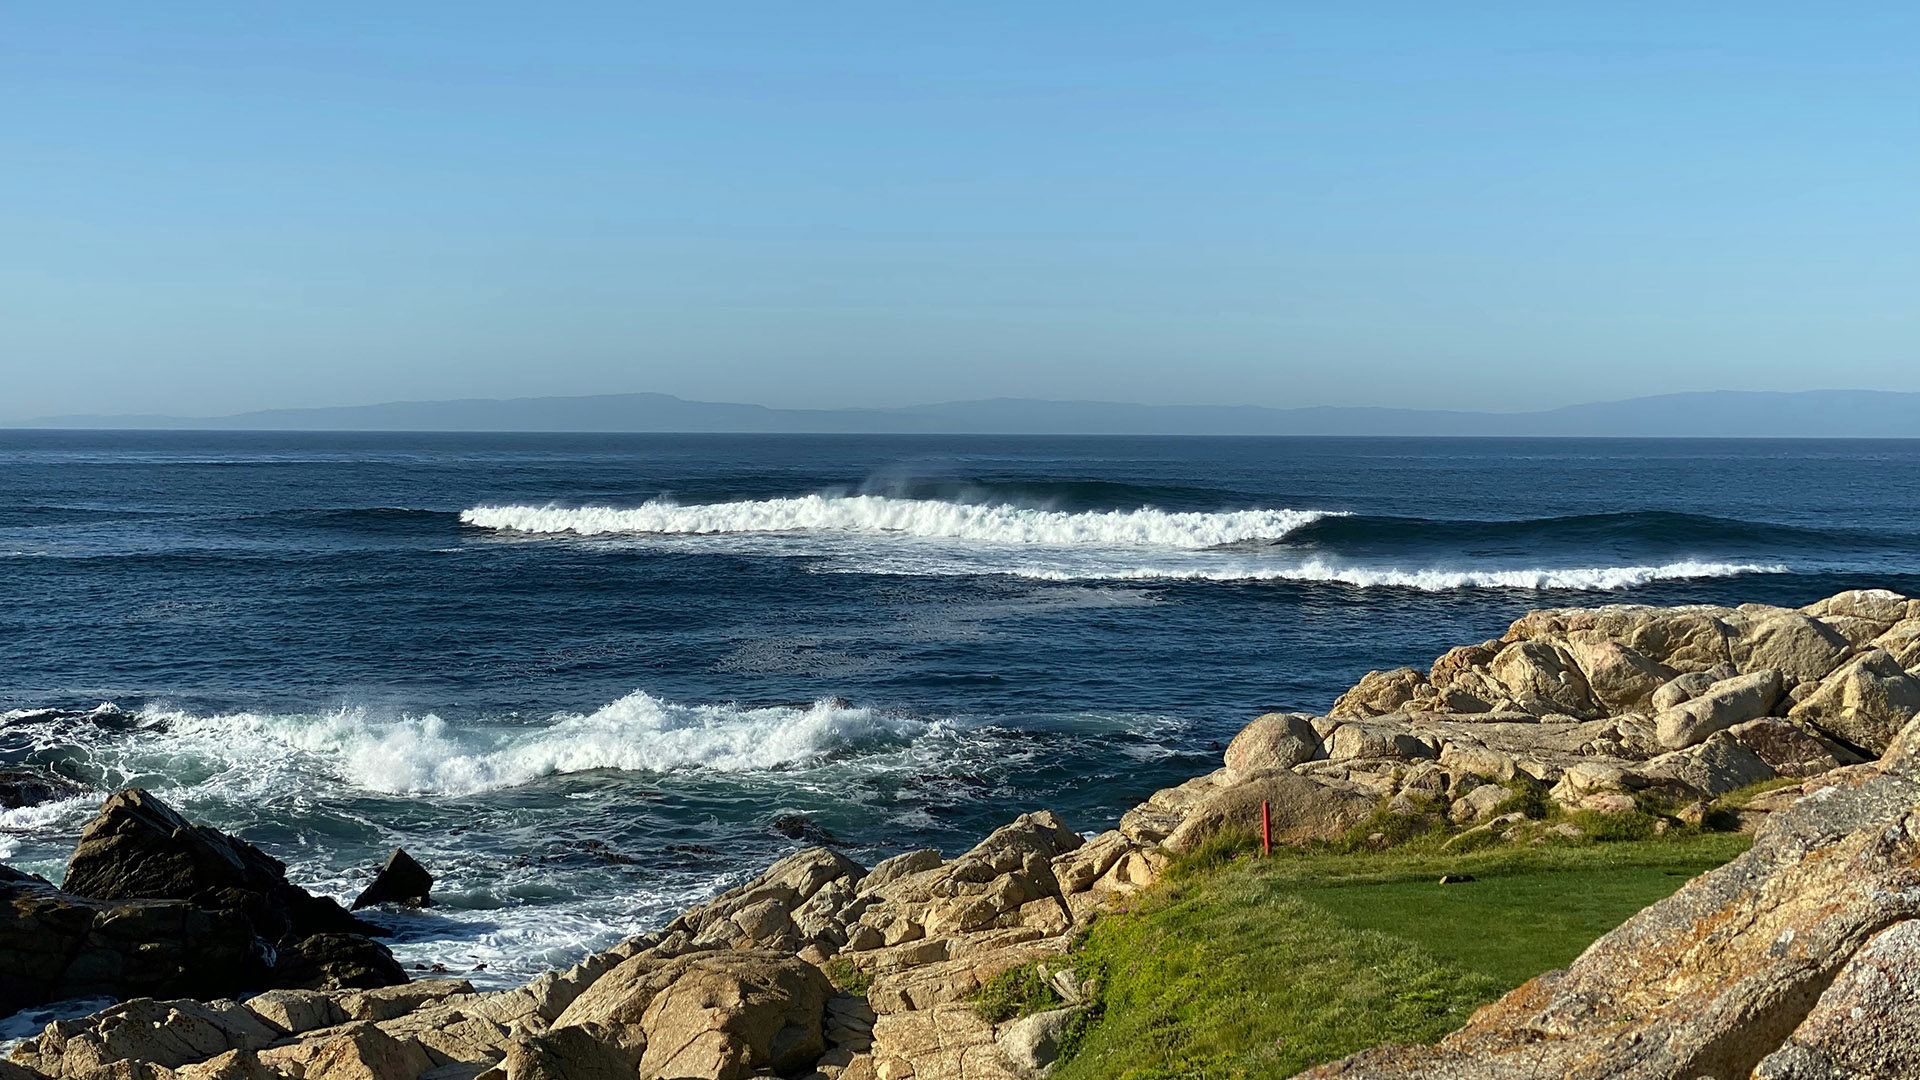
(924, 518)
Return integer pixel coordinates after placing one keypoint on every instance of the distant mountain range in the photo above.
(1727, 413)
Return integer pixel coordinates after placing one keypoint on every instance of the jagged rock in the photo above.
(1152, 821)
(297, 1011)
(139, 848)
(1864, 1024)
(889, 870)
(568, 1053)
(1801, 648)
(1864, 703)
(1685, 639)
(1077, 870)
(1461, 661)
(55, 945)
(1705, 770)
(1300, 809)
(336, 962)
(357, 1051)
(30, 787)
(1789, 749)
(164, 1033)
(1717, 977)
(1543, 678)
(1719, 707)
(1378, 693)
(721, 1014)
(1273, 741)
(1621, 678)
(1902, 642)
(400, 881)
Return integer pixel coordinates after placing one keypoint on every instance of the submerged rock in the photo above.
(31, 787)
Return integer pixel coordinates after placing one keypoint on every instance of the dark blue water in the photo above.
(584, 678)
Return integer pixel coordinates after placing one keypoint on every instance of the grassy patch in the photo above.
(847, 978)
(1261, 967)
(1020, 991)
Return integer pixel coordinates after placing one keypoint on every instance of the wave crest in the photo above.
(1583, 579)
(931, 519)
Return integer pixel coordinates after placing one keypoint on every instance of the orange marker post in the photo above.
(1266, 829)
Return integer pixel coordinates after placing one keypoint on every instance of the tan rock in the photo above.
(1788, 748)
(1478, 803)
(1879, 605)
(164, 1033)
(1621, 678)
(1378, 693)
(1902, 640)
(1863, 703)
(1301, 809)
(1077, 870)
(357, 1051)
(1705, 770)
(1719, 707)
(568, 1053)
(728, 1015)
(1864, 1025)
(296, 1011)
(1802, 649)
(1542, 677)
(1377, 742)
(1273, 741)
(388, 1002)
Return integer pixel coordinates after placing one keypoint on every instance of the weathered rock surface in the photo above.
(1864, 703)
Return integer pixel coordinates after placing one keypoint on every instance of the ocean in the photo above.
(588, 680)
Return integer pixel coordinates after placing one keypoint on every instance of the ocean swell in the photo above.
(882, 515)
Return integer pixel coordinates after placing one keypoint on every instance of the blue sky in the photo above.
(213, 207)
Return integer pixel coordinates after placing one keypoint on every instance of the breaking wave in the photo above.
(879, 514)
(242, 753)
(1430, 580)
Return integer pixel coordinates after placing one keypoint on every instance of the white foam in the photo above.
(880, 515)
(1430, 580)
(426, 755)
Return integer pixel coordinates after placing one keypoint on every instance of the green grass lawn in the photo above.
(1240, 967)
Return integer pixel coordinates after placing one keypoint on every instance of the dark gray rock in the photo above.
(139, 848)
(400, 881)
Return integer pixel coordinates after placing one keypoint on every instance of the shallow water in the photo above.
(588, 679)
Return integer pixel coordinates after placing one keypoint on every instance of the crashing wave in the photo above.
(930, 519)
(426, 755)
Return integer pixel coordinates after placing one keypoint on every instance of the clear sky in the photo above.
(213, 207)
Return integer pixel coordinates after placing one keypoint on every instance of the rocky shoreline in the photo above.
(824, 969)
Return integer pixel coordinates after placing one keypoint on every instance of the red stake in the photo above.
(1266, 830)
